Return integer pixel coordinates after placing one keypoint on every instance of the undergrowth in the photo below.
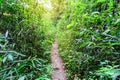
(89, 39)
(24, 41)
(88, 33)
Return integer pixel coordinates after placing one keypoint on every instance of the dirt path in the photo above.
(58, 72)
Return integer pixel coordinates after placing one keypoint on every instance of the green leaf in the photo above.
(43, 77)
(0, 58)
(114, 76)
(4, 59)
(0, 3)
(1, 40)
(84, 44)
(10, 57)
(117, 21)
(101, 1)
(96, 12)
(22, 78)
(70, 25)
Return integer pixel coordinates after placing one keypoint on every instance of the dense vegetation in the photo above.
(88, 33)
(23, 40)
(89, 39)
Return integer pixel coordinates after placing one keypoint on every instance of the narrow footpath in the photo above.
(58, 72)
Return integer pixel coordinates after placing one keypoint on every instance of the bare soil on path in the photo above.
(58, 72)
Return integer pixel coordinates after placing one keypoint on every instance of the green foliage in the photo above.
(15, 65)
(22, 41)
(88, 34)
(108, 72)
(90, 31)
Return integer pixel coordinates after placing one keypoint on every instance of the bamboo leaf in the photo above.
(10, 57)
(22, 78)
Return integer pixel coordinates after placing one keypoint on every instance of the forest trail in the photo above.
(58, 72)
